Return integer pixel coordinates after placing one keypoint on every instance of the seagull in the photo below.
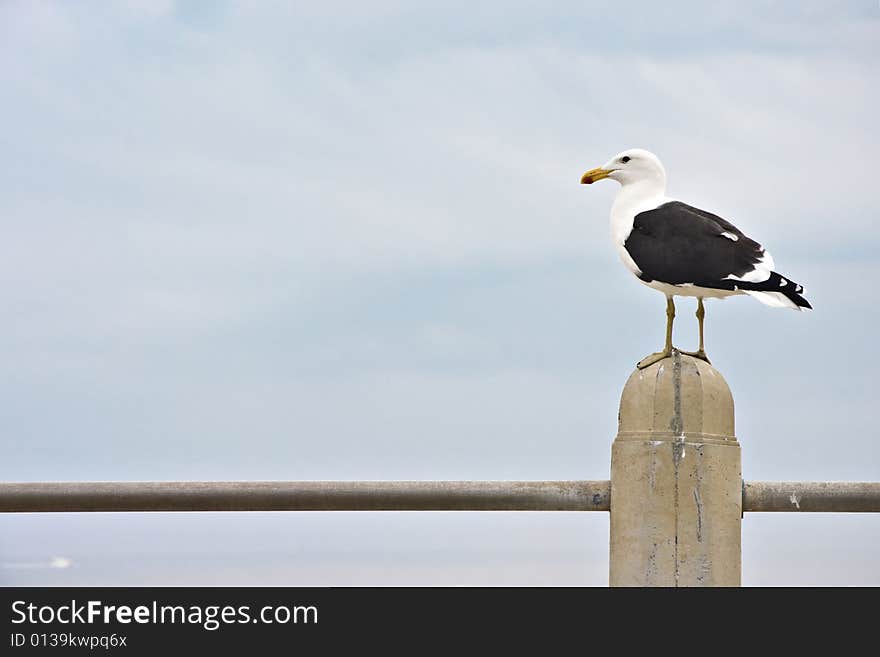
(681, 250)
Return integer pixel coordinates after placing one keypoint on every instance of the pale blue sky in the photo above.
(288, 241)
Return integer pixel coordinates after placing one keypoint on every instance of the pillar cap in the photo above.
(677, 397)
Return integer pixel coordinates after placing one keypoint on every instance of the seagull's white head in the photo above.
(635, 165)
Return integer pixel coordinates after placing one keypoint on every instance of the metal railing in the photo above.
(54, 497)
(822, 496)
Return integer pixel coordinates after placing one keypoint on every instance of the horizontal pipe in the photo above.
(822, 496)
(758, 496)
(306, 496)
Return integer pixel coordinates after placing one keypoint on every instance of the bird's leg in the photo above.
(667, 348)
(701, 352)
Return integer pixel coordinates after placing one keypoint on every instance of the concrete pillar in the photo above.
(676, 479)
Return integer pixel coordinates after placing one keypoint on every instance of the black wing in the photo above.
(677, 243)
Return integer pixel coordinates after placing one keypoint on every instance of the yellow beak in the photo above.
(593, 175)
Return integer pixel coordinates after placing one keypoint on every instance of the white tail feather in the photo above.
(775, 299)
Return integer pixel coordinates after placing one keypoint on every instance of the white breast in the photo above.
(630, 201)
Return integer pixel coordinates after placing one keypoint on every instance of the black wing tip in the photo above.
(801, 303)
(793, 291)
(782, 284)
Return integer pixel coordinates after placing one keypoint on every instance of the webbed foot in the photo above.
(653, 358)
(700, 353)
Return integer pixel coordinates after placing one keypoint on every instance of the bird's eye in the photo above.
(625, 159)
